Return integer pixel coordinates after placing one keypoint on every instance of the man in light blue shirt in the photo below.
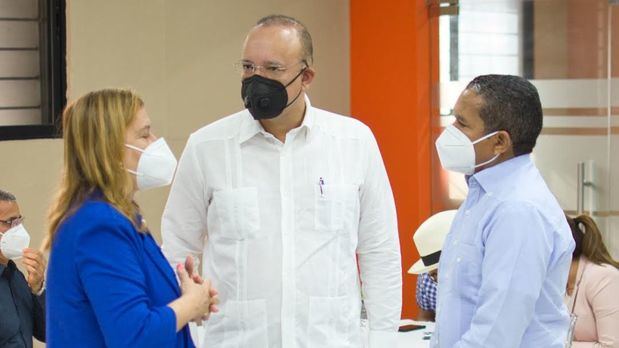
(505, 261)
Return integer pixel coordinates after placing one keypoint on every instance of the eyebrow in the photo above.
(272, 62)
(12, 217)
(460, 118)
(144, 129)
(268, 62)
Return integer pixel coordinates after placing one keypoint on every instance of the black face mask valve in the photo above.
(266, 98)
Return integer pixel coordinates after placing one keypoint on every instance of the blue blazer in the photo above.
(108, 285)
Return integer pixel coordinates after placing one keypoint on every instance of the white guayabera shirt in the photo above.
(280, 227)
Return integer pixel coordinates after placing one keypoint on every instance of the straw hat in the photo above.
(429, 239)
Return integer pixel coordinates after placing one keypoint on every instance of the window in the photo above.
(32, 68)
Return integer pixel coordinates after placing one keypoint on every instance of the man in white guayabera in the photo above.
(291, 209)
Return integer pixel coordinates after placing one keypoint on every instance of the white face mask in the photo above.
(14, 241)
(456, 150)
(156, 166)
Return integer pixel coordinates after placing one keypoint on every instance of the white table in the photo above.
(416, 338)
(412, 339)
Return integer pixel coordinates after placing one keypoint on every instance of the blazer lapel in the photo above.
(156, 256)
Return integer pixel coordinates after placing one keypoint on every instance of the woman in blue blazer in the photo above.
(108, 283)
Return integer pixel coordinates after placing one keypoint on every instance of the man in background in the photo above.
(22, 297)
(429, 239)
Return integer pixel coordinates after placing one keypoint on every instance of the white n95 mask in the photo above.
(156, 166)
(456, 150)
(14, 241)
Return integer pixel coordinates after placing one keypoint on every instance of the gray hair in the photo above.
(7, 196)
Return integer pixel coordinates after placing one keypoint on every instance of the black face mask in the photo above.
(266, 98)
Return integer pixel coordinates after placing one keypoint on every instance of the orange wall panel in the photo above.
(393, 48)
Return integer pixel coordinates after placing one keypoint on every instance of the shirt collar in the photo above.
(10, 268)
(250, 127)
(492, 179)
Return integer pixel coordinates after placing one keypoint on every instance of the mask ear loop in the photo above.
(485, 137)
(488, 161)
(300, 89)
(482, 139)
(134, 172)
(136, 149)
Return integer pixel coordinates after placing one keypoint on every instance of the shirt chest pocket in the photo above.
(467, 269)
(335, 207)
(237, 212)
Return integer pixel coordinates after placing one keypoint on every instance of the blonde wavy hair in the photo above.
(94, 136)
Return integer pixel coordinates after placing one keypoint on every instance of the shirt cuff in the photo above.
(42, 290)
(383, 339)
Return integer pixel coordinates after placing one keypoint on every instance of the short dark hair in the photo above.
(510, 103)
(302, 32)
(7, 196)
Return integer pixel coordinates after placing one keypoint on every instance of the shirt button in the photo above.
(458, 259)
(467, 212)
(455, 242)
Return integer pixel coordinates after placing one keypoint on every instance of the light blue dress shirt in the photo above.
(505, 263)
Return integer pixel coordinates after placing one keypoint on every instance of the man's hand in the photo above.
(189, 267)
(35, 264)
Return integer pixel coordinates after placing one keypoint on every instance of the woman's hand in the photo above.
(195, 301)
(198, 293)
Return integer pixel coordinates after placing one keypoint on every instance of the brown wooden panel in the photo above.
(20, 93)
(19, 34)
(19, 63)
(19, 8)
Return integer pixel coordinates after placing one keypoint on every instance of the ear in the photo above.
(502, 143)
(307, 77)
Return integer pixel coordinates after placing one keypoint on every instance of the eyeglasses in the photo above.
(12, 222)
(273, 71)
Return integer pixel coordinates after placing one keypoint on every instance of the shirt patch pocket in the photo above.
(238, 212)
(239, 324)
(467, 270)
(332, 322)
(335, 207)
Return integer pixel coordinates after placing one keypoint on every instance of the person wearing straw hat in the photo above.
(429, 239)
